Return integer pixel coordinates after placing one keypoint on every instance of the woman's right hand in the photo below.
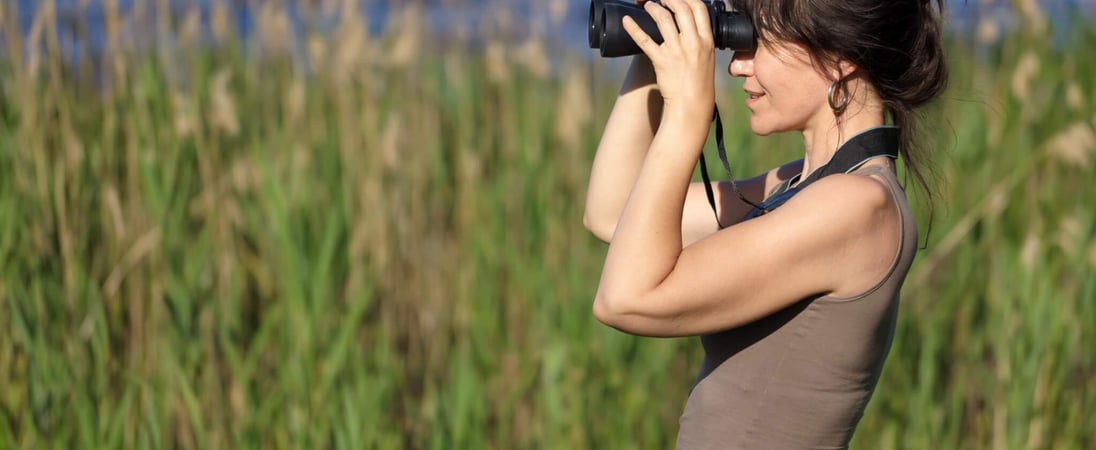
(685, 61)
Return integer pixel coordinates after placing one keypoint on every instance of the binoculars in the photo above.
(731, 29)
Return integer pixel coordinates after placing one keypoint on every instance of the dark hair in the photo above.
(896, 45)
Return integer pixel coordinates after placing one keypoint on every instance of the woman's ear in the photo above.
(842, 70)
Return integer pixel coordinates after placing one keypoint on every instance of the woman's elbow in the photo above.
(608, 316)
(600, 228)
(617, 313)
(635, 316)
(602, 312)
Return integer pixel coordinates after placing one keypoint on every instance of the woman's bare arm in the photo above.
(628, 134)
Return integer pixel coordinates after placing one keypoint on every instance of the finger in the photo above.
(702, 19)
(664, 21)
(641, 38)
(684, 17)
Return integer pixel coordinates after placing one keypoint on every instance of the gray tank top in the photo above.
(800, 378)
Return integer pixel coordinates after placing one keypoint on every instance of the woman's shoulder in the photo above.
(857, 197)
(855, 218)
(853, 206)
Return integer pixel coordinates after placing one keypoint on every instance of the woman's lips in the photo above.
(753, 97)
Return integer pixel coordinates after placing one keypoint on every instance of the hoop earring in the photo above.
(837, 108)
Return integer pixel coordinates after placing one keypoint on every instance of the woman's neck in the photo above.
(823, 141)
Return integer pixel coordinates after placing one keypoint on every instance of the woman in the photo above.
(795, 302)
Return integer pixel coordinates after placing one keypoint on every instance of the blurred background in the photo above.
(356, 224)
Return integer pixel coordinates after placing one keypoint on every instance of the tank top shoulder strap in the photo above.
(883, 172)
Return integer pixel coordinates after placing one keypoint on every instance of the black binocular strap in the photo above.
(870, 144)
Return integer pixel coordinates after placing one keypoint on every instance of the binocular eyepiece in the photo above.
(731, 29)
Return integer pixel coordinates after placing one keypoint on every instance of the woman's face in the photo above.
(785, 91)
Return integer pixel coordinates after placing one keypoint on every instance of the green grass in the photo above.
(216, 250)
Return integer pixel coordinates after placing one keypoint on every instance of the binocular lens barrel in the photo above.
(731, 30)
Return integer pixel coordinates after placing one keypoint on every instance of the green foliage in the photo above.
(206, 249)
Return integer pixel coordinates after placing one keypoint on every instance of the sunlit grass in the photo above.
(365, 242)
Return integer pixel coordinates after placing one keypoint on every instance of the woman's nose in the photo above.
(741, 64)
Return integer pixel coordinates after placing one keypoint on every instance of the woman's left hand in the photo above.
(685, 61)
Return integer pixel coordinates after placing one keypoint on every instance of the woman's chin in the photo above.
(759, 128)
